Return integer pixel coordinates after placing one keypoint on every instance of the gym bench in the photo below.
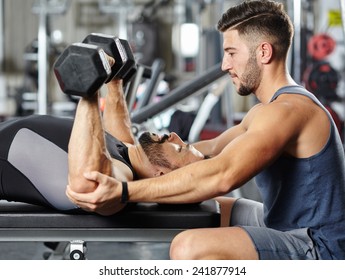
(138, 222)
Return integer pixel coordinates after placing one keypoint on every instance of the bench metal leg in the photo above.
(77, 250)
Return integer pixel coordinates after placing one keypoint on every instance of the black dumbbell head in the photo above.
(82, 69)
(113, 47)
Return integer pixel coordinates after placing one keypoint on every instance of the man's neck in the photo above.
(139, 162)
(271, 82)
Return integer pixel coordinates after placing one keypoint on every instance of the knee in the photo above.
(181, 247)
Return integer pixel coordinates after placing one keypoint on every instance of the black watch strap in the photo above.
(124, 196)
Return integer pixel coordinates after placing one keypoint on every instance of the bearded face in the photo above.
(250, 77)
(153, 149)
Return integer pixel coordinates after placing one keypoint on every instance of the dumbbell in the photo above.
(83, 68)
(117, 48)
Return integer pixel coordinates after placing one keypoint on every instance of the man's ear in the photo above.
(266, 52)
(159, 173)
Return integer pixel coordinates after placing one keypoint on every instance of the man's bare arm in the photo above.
(214, 146)
(116, 119)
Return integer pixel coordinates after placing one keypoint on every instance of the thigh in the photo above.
(272, 244)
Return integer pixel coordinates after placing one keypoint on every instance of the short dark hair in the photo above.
(260, 19)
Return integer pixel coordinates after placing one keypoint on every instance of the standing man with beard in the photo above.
(288, 142)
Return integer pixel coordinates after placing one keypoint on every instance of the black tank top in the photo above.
(119, 151)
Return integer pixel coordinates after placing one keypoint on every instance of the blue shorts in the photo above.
(272, 244)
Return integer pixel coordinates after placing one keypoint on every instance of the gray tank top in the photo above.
(308, 192)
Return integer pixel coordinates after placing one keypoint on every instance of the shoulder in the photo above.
(285, 118)
(267, 113)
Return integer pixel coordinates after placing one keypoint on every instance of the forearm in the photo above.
(216, 145)
(205, 179)
(87, 150)
(193, 183)
(116, 117)
(205, 147)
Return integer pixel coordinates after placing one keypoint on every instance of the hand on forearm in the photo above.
(104, 200)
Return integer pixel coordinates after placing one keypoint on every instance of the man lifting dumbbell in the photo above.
(33, 150)
(87, 146)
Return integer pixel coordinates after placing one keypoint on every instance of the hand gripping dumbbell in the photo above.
(83, 68)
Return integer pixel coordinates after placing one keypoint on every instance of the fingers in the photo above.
(105, 199)
(75, 197)
(116, 85)
(111, 60)
(93, 176)
(87, 197)
(81, 200)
